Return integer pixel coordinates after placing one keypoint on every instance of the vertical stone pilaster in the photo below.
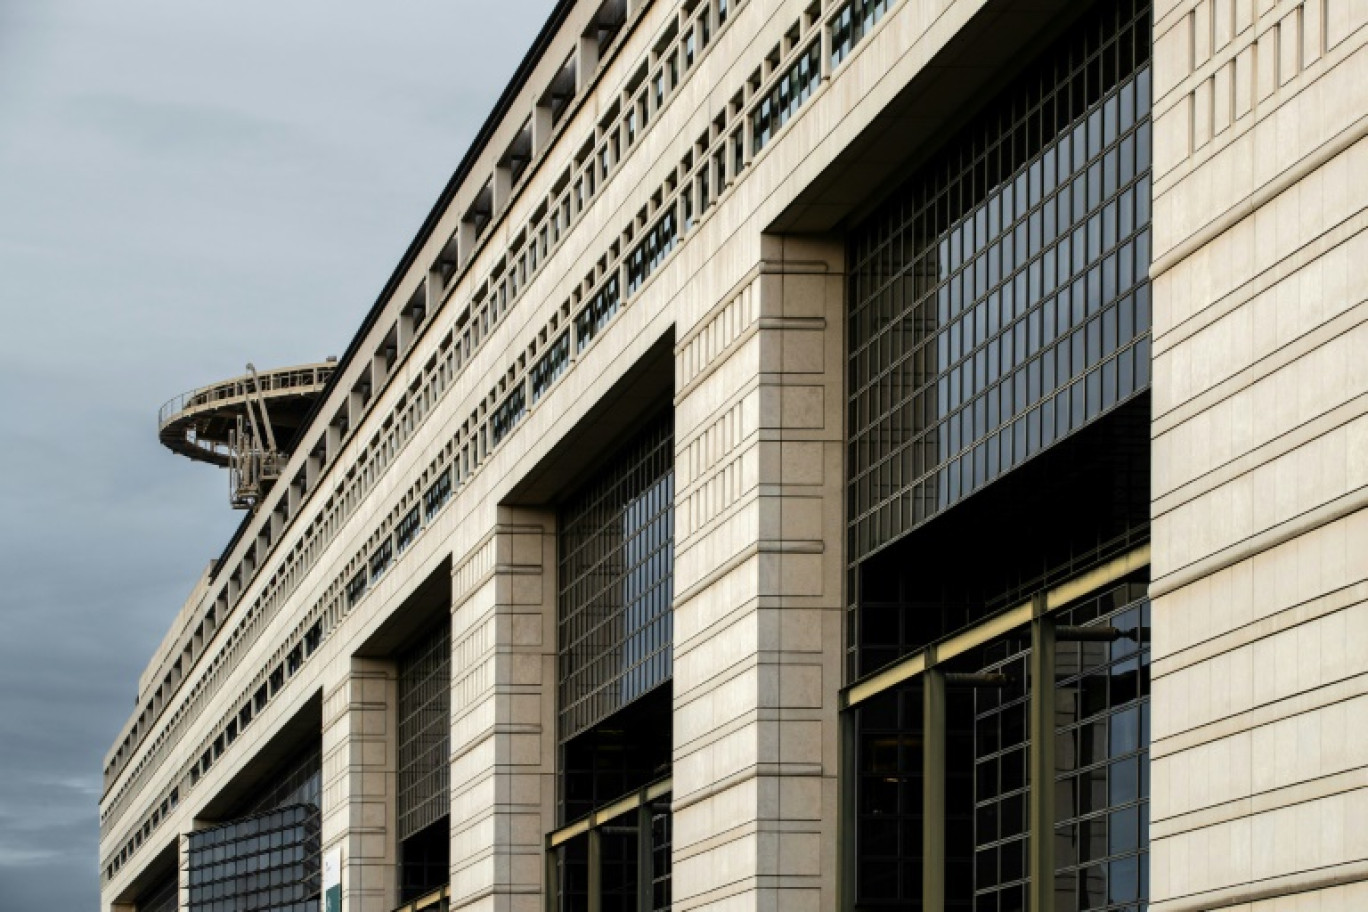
(183, 871)
(503, 715)
(360, 756)
(758, 588)
(1260, 456)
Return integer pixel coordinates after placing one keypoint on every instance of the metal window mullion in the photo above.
(1056, 597)
(645, 862)
(1042, 758)
(595, 870)
(933, 790)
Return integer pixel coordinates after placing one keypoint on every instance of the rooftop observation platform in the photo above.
(201, 423)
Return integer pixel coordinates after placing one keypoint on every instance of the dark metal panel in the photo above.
(267, 861)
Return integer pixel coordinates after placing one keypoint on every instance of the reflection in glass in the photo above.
(266, 861)
(1000, 299)
(1102, 754)
(616, 573)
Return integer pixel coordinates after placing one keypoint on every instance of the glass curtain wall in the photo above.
(1098, 803)
(423, 797)
(999, 301)
(616, 572)
(266, 861)
(298, 781)
(998, 376)
(1101, 753)
(164, 897)
(616, 567)
(270, 857)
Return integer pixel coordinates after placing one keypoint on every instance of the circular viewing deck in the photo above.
(198, 424)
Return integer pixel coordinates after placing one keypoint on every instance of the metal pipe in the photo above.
(1088, 634)
(977, 679)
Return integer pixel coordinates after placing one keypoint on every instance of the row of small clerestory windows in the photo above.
(532, 247)
(168, 804)
(642, 261)
(593, 309)
(705, 178)
(377, 560)
(284, 666)
(299, 562)
(373, 561)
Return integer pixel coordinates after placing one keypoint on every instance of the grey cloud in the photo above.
(169, 129)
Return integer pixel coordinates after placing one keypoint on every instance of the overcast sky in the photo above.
(184, 186)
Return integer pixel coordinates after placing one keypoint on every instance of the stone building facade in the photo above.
(819, 454)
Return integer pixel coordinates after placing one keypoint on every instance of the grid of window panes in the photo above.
(407, 529)
(1002, 747)
(616, 548)
(783, 101)
(572, 875)
(888, 817)
(437, 494)
(297, 781)
(551, 366)
(356, 587)
(620, 879)
(423, 793)
(662, 835)
(618, 866)
(1102, 756)
(652, 250)
(853, 22)
(596, 314)
(507, 414)
(1000, 299)
(381, 557)
(161, 898)
(267, 861)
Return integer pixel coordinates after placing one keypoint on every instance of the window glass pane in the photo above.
(979, 224)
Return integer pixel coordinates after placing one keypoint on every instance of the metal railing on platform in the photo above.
(240, 387)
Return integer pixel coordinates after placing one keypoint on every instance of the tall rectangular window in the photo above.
(998, 448)
(1000, 301)
(423, 795)
(616, 575)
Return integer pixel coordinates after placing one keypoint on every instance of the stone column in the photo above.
(758, 587)
(360, 756)
(503, 714)
(183, 867)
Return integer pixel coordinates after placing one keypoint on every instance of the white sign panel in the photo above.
(332, 880)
